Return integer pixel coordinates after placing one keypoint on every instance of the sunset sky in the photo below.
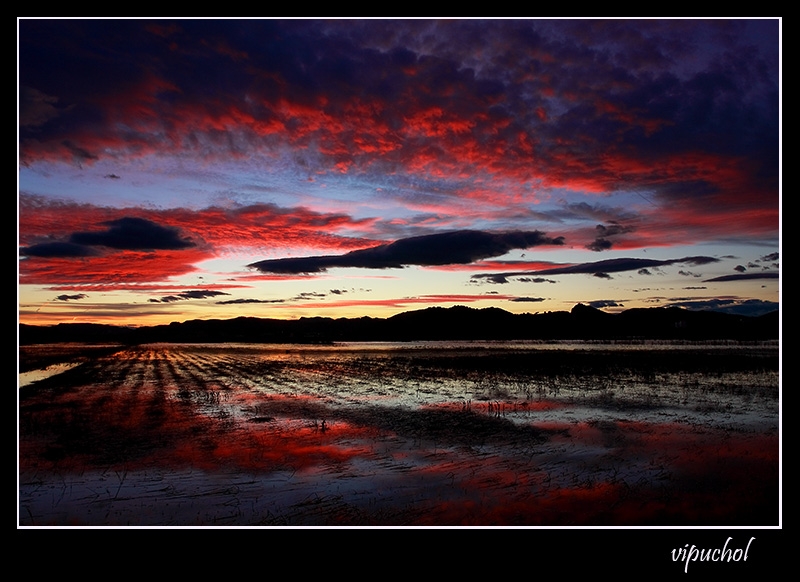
(183, 169)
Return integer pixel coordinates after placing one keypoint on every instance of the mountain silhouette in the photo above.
(583, 322)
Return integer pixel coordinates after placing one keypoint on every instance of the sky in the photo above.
(215, 168)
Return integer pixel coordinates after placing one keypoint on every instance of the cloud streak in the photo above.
(191, 294)
(600, 268)
(743, 277)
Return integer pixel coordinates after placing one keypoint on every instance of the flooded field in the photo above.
(437, 434)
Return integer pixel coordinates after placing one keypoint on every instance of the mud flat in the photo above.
(435, 434)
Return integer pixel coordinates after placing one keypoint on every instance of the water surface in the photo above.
(431, 433)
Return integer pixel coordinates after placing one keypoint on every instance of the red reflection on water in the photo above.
(142, 428)
(282, 448)
(624, 473)
(560, 507)
(597, 472)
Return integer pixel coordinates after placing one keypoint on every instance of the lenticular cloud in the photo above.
(460, 247)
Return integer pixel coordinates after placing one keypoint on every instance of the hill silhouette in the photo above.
(434, 323)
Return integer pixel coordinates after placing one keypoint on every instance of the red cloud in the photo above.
(126, 267)
(268, 226)
(258, 225)
(213, 231)
(140, 287)
(550, 119)
(458, 142)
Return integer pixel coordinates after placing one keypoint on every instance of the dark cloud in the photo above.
(71, 297)
(303, 296)
(743, 277)
(603, 268)
(534, 280)
(57, 250)
(307, 295)
(600, 244)
(193, 294)
(127, 233)
(602, 241)
(497, 278)
(201, 294)
(245, 301)
(452, 248)
(132, 233)
(772, 257)
(527, 299)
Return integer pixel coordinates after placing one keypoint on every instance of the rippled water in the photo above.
(471, 433)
